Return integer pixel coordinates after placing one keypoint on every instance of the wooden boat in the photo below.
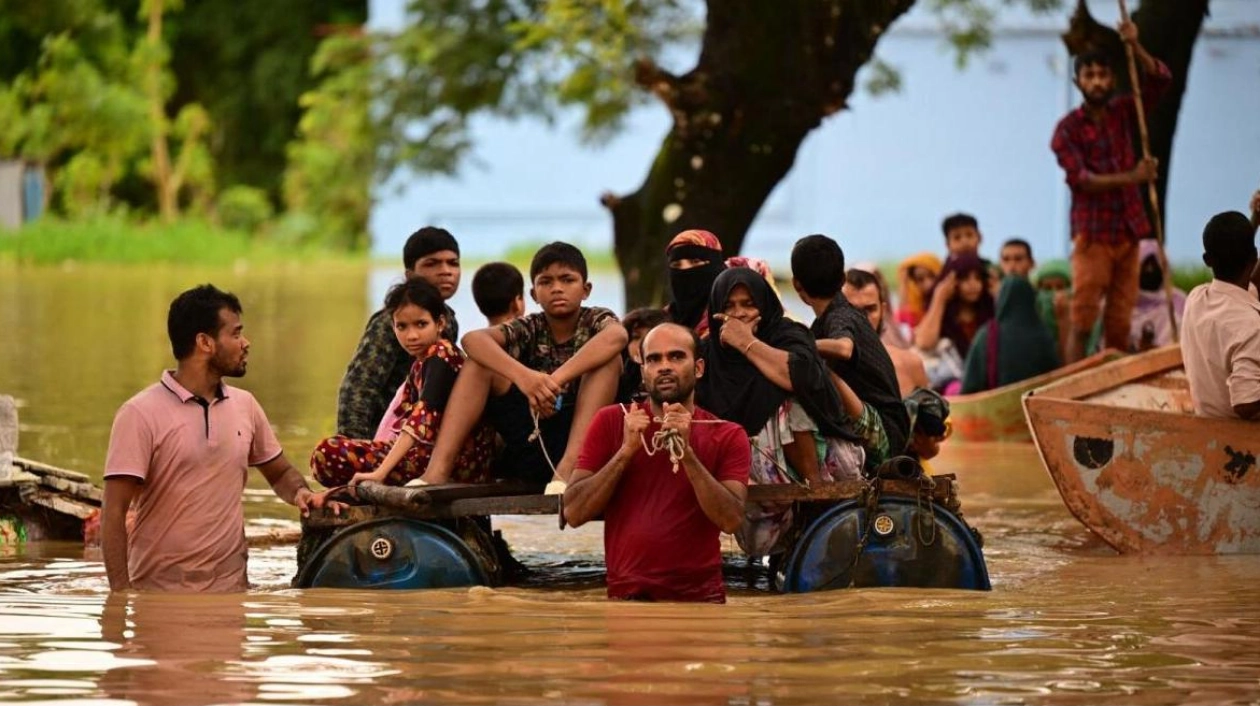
(1139, 468)
(996, 416)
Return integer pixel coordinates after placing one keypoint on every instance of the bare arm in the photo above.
(1145, 62)
(606, 345)
(287, 482)
(721, 501)
(928, 333)
(588, 493)
(772, 362)
(119, 492)
(486, 346)
(836, 349)
(851, 402)
(599, 388)
(918, 374)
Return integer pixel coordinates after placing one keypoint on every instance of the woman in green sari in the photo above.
(1014, 345)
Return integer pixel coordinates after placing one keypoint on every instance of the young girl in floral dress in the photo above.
(404, 440)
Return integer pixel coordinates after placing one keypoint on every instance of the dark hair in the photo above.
(417, 291)
(1229, 245)
(818, 265)
(695, 338)
(194, 312)
(959, 220)
(964, 265)
(862, 279)
(1092, 57)
(1020, 242)
(495, 286)
(648, 317)
(560, 253)
(429, 239)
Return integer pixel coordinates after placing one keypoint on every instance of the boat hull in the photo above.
(997, 416)
(1139, 471)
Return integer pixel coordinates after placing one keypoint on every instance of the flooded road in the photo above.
(1068, 621)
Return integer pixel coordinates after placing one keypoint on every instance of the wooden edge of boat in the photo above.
(1111, 374)
(995, 415)
(1085, 364)
(491, 499)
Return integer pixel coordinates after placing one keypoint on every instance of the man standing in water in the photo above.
(665, 500)
(181, 449)
(1094, 145)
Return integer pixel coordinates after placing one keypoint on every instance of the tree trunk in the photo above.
(1168, 29)
(167, 204)
(768, 73)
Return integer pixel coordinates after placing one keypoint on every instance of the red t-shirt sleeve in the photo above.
(603, 438)
(735, 458)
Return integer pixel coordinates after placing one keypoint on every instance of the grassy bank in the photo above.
(115, 239)
(118, 240)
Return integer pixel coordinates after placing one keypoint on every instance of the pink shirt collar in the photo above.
(184, 395)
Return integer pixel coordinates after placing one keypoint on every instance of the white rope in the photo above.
(668, 440)
(542, 444)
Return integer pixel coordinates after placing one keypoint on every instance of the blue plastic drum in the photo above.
(393, 553)
(905, 547)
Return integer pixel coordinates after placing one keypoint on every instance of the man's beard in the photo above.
(227, 369)
(681, 392)
(1101, 100)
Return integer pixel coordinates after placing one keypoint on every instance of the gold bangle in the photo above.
(750, 345)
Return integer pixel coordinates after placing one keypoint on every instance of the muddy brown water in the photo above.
(1068, 621)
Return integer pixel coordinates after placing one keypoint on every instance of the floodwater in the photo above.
(1068, 621)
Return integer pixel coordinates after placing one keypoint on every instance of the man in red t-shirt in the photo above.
(661, 519)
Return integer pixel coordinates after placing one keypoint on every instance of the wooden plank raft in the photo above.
(512, 498)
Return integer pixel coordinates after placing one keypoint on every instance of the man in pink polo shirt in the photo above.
(181, 450)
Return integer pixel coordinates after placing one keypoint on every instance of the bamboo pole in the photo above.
(1152, 192)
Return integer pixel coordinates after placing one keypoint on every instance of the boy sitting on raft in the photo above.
(538, 379)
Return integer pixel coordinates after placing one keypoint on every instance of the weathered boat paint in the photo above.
(1137, 467)
(997, 416)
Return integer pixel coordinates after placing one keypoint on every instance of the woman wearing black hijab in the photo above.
(763, 372)
(695, 260)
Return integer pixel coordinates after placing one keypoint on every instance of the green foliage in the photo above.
(882, 78)
(74, 104)
(116, 239)
(85, 109)
(1188, 277)
(243, 208)
(511, 58)
(248, 63)
(329, 175)
(968, 24)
